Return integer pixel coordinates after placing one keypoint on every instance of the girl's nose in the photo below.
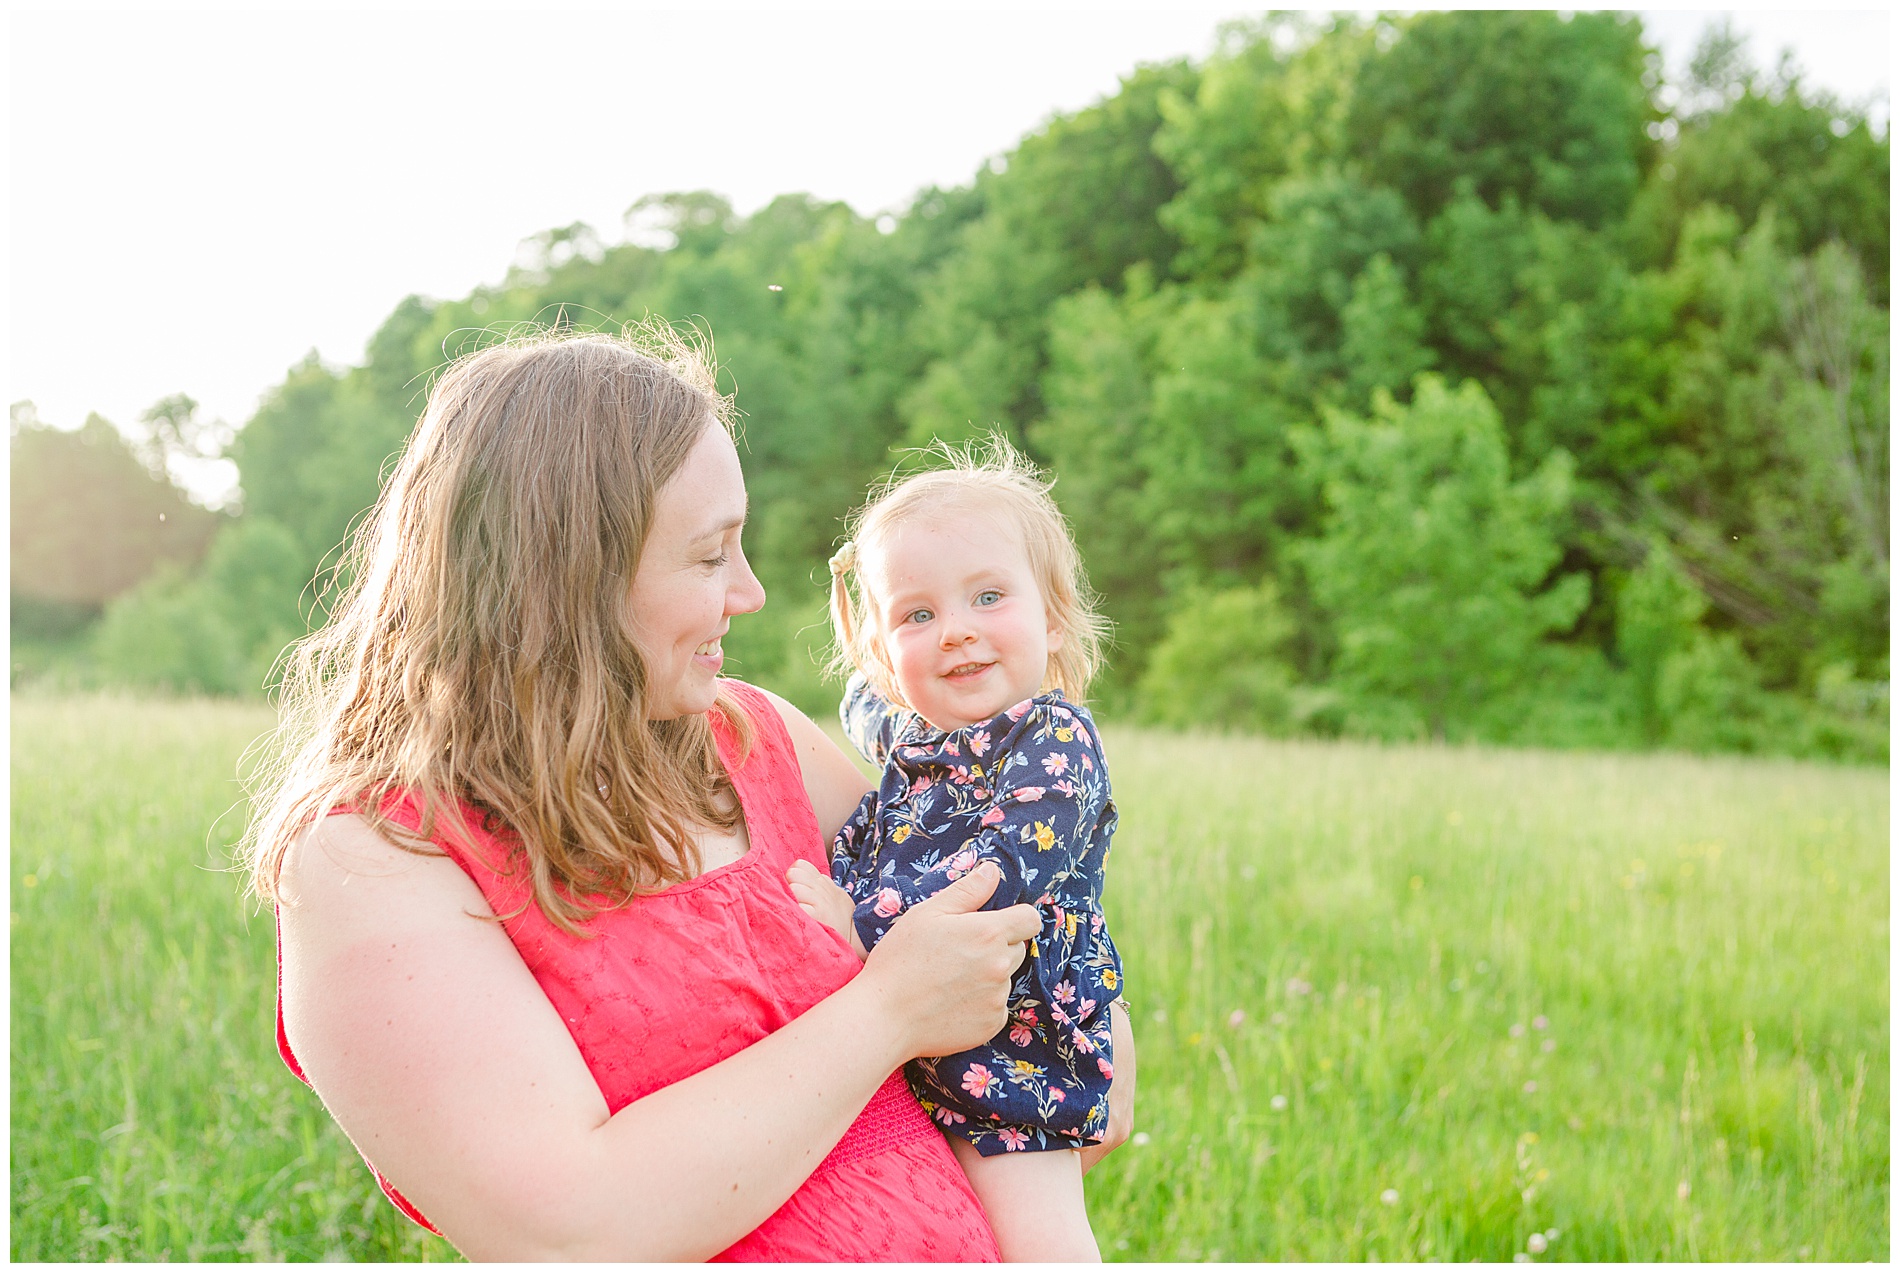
(956, 632)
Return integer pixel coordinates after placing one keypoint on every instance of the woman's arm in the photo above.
(1121, 1090)
(434, 1048)
(833, 782)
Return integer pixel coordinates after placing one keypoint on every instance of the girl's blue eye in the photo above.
(988, 597)
(919, 616)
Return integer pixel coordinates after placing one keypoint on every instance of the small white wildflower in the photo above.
(1390, 1197)
(1140, 1138)
(1682, 1190)
(1540, 1022)
(1537, 1244)
(1517, 1029)
(1235, 1018)
(1278, 1102)
(1550, 1045)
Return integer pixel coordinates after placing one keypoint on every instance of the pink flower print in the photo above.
(1026, 794)
(1020, 1035)
(1019, 711)
(980, 743)
(1108, 1071)
(1088, 1006)
(889, 902)
(1083, 734)
(1055, 1094)
(1065, 789)
(992, 817)
(1012, 1139)
(1083, 1043)
(982, 793)
(977, 1081)
(1055, 764)
(961, 863)
(948, 1116)
(1065, 992)
(1026, 1015)
(1088, 765)
(920, 786)
(951, 749)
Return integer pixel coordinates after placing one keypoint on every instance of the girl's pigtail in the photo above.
(843, 627)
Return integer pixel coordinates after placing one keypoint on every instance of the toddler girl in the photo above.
(972, 639)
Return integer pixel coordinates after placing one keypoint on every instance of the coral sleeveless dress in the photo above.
(676, 981)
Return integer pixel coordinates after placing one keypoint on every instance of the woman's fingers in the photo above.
(964, 895)
(947, 965)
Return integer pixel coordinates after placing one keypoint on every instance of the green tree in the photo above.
(1222, 663)
(89, 521)
(1549, 108)
(1433, 564)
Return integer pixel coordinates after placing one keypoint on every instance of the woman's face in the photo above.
(692, 578)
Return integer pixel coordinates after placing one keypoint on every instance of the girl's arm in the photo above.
(432, 1045)
(870, 720)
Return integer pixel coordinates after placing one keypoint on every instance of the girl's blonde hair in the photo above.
(480, 651)
(990, 477)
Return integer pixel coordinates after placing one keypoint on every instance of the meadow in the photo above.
(1391, 1002)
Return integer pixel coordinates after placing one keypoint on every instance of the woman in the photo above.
(538, 954)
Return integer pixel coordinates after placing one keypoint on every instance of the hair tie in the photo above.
(845, 559)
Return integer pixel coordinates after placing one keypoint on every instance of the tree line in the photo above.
(1444, 376)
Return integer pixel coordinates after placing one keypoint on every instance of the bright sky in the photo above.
(198, 200)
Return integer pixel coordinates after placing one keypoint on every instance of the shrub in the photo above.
(1220, 664)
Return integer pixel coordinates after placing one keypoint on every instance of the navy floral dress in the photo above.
(1028, 791)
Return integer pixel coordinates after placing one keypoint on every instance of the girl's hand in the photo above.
(943, 970)
(825, 902)
(1121, 1090)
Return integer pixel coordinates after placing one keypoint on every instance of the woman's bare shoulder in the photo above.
(343, 863)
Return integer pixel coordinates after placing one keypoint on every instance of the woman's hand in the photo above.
(942, 972)
(1121, 1090)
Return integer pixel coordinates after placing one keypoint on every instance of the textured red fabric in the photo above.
(678, 980)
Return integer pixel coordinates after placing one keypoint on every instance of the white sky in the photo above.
(197, 200)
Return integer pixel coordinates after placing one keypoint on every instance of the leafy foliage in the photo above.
(1445, 374)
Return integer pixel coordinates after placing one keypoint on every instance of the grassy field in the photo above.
(1398, 1003)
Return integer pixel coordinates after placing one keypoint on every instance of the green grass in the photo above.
(151, 1116)
(1707, 941)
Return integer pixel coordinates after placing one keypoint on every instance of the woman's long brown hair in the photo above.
(480, 651)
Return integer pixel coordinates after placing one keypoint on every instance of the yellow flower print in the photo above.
(1045, 838)
(1110, 978)
(1066, 735)
(1022, 1069)
(1071, 919)
(901, 834)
